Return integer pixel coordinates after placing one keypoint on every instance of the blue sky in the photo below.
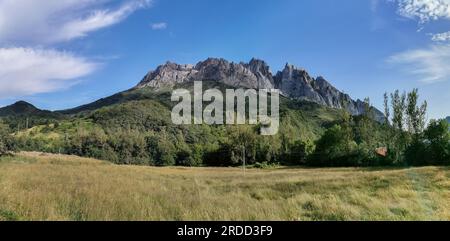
(65, 53)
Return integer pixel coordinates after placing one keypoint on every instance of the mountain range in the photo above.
(135, 126)
(292, 82)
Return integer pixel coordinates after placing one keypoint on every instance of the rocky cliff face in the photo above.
(167, 75)
(255, 74)
(292, 82)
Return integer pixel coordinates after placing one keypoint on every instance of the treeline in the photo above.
(141, 133)
(402, 140)
(227, 147)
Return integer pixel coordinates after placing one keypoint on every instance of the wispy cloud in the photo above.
(31, 70)
(27, 71)
(441, 37)
(159, 26)
(428, 65)
(424, 10)
(52, 21)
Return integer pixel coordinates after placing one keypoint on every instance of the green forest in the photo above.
(134, 127)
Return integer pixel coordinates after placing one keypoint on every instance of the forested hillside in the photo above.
(135, 127)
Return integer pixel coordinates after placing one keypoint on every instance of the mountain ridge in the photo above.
(25, 108)
(293, 82)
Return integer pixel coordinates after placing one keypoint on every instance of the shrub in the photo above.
(162, 150)
(438, 136)
(7, 143)
(334, 148)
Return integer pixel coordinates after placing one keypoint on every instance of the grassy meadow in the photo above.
(35, 186)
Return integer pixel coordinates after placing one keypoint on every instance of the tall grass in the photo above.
(36, 186)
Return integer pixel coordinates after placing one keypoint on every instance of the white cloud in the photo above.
(429, 65)
(441, 37)
(26, 71)
(51, 21)
(424, 10)
(31, 70)
(159, 26)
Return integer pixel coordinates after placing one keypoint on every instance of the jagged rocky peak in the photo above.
(291, 75)
(292, 82)
(255, 74)
(262, 72)
(258, 66)
(330, 95)
(167, 75)
(218, 63)
(296, 83)
(226, 72)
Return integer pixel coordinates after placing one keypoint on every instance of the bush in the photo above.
(7, 143)
(438, 136)
(335, 148)
(417, 153)
(297, 153)
(162, 150)
(190, 158)
(265, 165)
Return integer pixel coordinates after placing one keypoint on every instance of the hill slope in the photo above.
(22, 108)
(21, 115)
(294, 83)
(135, 127)
(122, 127)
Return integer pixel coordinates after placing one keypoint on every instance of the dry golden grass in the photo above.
(36, 186)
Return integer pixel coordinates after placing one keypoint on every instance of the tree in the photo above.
(300, 151)
(398, 107)
(386, 108)
(162, 150)
(243, 145)
(368, 109)
(417, 153)
(415, 114)
(438, 136)
(334, 147)
(269, 150)
(130, 146)
(411, 111)
(398, 138)
(364, 126)
(422, 116)
(7, 144)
